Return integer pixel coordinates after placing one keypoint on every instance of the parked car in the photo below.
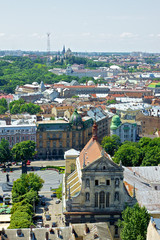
(40, 196)
(54, 195)
(46, 208)
(54, 224)
(58, 201)
(48, 217)
(43, 203)
(28, 162)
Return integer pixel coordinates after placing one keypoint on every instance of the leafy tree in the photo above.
(3, 102)
(2, 110)
(135, 223)
(26, 187)
(152, 157)
(5, 153)
(111, 144)
(20, 220)
(128, 154)
(24, 150)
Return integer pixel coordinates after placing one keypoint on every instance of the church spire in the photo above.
(94, 131)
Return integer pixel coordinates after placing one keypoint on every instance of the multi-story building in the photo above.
(56, 136)
(18, 133)
(126, 130)
(102, 121)
(94, 191)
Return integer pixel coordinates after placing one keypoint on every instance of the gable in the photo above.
(103, 164)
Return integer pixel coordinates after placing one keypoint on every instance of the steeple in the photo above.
(94, 131)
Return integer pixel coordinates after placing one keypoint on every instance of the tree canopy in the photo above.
(135, 223)
(24, 151)
(111, 144)
(24, 196)
(5, 153)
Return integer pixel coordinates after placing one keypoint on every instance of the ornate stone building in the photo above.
(56, 136)
(95, 191)
(126, 130)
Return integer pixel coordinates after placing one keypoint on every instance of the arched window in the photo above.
(87, 182)
(102, 200)
(96, 200)
(116, 182)
(87, 196)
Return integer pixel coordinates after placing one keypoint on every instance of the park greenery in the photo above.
(24, 197)
(5, 152)
(58, 191)
(19, 106)
(57, 168)
(3, 106)
(22, 151)
(17, 71)
(146, 152)
(134, 224)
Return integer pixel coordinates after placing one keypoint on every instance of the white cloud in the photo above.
(2, 34)
(128, 35)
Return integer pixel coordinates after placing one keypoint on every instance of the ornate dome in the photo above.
(115, 122)
(75, 119)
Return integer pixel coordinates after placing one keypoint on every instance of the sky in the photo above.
(86, 25)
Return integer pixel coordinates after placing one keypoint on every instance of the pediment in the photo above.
(103, 164)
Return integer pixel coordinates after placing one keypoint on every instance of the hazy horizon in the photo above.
(86, 26)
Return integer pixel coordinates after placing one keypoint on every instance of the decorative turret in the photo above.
(115, 123)
(76, 119)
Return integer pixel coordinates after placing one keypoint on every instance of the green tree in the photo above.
(2, 110)
(24, 150)
(26, 187)
(135, 223)
(5, 153)
(111, 144)
(3, 102)
(128, 154)
(20, 220)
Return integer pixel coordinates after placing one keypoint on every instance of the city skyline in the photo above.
(91, 26)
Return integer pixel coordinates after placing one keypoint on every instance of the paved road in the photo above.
(52, 179)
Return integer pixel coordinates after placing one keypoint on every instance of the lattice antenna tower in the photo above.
(48, 48)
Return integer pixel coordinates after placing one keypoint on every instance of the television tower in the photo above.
(48, 49)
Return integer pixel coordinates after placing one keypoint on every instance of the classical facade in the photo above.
(95, 190)
(18, 133)
(127, 131)
(55, 137)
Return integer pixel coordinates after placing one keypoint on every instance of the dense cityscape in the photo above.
(80, 145)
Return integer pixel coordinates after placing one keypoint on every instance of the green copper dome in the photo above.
(75, 119)
(115, 122)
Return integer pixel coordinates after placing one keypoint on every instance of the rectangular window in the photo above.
(96, 182)
(108, 182)
(96, 199)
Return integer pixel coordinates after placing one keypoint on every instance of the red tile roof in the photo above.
(90, 152)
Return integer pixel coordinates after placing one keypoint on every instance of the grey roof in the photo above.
(66, 233)
(142, 178)
(96, 114)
